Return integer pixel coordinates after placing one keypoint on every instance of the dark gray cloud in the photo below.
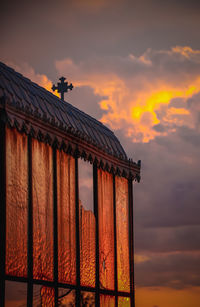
(84, 98)
(171, 270)
(32, 31)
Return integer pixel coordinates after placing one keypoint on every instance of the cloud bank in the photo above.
(148, 96)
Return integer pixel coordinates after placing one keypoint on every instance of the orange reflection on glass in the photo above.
(124, 302)
(66, 297)
(87, 224)
(42, 211)
(16, 203)
(106, 229)
(66, 218)
(47, 296)
(122, 223)
(87, 246)
(107, 301)
(87, 299)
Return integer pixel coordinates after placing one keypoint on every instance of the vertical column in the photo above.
(95, 191)
(55, 224)
(77, 236)
(115, 241)
(2, 205)
(30, 226)
(131, 243)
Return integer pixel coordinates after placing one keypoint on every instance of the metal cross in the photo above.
(62, 87)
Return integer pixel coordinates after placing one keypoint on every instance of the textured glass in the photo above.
(16, 203)
(87, 225)
(107, 301)
(106, 230)
(66, 297)
(122, 221)
(43, 296)
(87, 299)
(87, 246)
(66, 218)
(42, 211)
(124, 302)
(15, 294)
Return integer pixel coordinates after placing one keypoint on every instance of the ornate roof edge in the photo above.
(68, 140)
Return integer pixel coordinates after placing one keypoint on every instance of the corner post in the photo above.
(30, 226)
(115, 242)
(2, 204)
(95, 191)
(78, 292)
(131, 243)
(55, 224)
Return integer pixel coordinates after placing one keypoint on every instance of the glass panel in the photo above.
(42, 211)
(16, 203)
(43, 296)
(66, 297)
(106, 229)
(15, 294)
(124, 302)
(122, 217)
(87, 299)
(85, 171)
(66, 218)
(107, 301)
(87, 224)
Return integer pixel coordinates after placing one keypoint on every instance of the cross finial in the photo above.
(62, 87)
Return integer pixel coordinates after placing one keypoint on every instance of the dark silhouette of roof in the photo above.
(30, 96)
(30, 108)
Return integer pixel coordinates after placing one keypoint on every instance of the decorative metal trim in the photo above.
(66, 137)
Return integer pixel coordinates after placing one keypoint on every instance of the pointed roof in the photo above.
(37, 110)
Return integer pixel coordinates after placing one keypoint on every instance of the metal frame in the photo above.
(2, 204)
(55, 284)
(30, 226)
(115, 241)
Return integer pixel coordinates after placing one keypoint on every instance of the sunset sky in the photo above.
(135, 66)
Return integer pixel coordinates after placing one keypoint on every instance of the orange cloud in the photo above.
(30, 73)
(137, 88)
(186, 51)
(165, 297)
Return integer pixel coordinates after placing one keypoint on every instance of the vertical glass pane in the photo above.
(107, 301)
(42, 211)
(124, 302)
(66, 218)
(15, 294)
(106, 229)
(16, 203)
(87, 299)
(43, 296)
(87, 224)
(122, 221)
(66, 297)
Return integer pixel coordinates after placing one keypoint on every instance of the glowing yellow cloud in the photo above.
(137, 102)
(141, 111)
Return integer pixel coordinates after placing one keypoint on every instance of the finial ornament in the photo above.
(62, 87)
